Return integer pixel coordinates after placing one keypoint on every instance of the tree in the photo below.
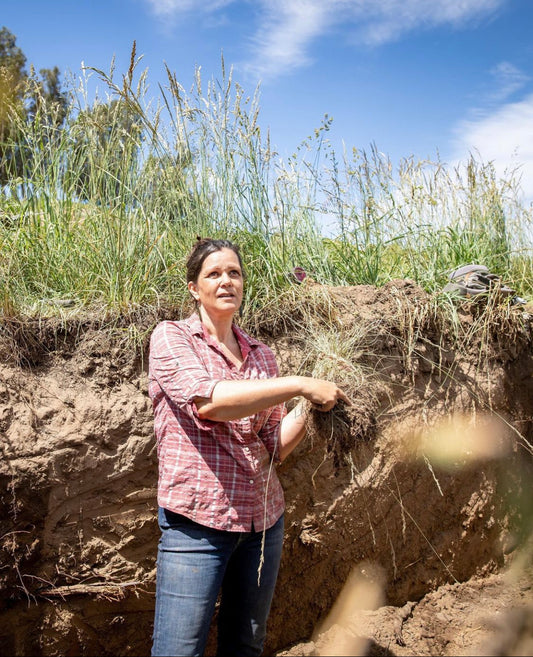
(13, 78)
(104, 157)
(45, 98)
(27, 104)
(11, 56)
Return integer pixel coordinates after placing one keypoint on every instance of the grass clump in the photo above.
(337, 355)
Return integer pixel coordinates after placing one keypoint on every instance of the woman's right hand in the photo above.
(321, 393)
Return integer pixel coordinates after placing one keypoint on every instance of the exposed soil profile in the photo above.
(411, 508)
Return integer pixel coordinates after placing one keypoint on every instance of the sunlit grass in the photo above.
(108, 207)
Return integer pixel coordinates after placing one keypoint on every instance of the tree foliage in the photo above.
(106, 140)
(46, 99)
(25, 98)
(13, 77)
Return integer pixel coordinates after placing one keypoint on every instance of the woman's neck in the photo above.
(222, 332)
(219, 328)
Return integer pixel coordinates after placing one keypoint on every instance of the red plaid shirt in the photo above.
(219, 474)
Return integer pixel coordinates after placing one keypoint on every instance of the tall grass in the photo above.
(108, 206)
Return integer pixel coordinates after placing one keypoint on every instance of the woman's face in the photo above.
(219, 287)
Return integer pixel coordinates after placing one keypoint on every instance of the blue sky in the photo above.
(414, 77)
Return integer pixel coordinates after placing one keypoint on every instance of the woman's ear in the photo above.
(191, 286)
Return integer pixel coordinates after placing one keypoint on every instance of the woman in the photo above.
(220, 423)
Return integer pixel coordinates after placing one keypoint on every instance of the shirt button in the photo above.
(251, 481)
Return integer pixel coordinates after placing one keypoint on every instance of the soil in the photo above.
(408, 513)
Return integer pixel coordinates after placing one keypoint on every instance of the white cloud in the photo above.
(285, 29)
(288, 26)
(504, 137)
(507, 80)
(376, 23)
(171, 8)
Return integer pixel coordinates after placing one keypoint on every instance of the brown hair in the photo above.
(205, 247)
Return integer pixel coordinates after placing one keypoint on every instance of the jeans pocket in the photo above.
(171, 520)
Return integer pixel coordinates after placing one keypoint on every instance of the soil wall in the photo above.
(79, 471)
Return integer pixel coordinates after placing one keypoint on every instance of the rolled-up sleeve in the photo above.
(176, 369)
(270, 432)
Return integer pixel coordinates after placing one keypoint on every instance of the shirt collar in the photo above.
(246, 341)
(195, 324)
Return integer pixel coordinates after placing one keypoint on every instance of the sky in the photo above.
(427, 79)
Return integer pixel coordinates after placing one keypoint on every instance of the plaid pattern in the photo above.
(218, 474)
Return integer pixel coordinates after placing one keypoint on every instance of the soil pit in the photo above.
(419, 491)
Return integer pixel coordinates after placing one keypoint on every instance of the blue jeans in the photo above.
(194, 564)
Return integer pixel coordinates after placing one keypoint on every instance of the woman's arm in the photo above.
(233, 400)
(292, 430)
